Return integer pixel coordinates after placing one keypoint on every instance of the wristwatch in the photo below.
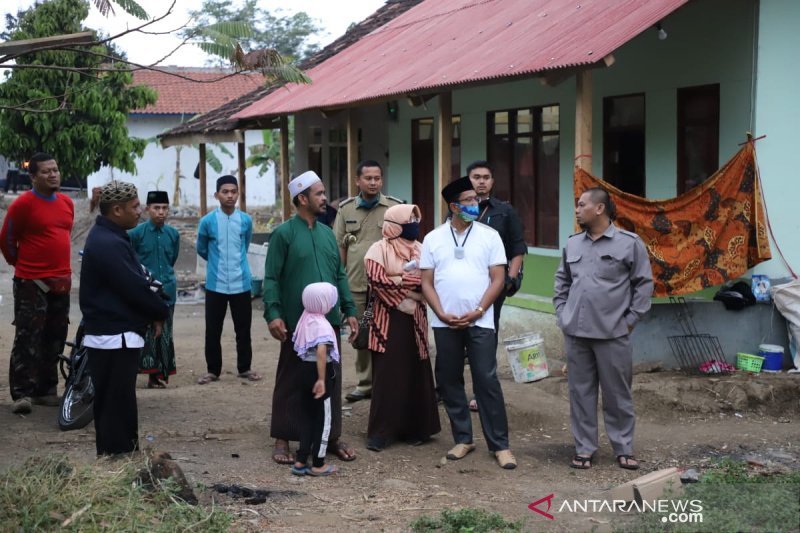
(481, 309)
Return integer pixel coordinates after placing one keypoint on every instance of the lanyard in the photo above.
(453, 233)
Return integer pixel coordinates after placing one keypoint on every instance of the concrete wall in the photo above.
(737, 331)
(156, 168)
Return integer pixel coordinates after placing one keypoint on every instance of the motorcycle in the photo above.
(77, 403)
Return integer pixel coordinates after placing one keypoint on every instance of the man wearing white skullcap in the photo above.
(302, 251)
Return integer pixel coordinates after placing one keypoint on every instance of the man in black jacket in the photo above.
(118, 303)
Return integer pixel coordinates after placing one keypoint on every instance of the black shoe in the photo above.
(358, 395)
(376, 444)
(417, 441)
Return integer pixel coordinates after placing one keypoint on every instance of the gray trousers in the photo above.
(363, 357)
(609, 364)
(480, 345)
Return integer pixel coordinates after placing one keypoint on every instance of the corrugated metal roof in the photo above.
(220, 120)
(441, 43)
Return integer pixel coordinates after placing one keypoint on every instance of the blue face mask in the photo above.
(469, 212)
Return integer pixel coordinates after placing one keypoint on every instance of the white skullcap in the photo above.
(302, 182)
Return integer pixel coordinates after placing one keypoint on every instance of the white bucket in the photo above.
(256, 257)
(526, 357)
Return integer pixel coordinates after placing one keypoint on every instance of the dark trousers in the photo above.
(41, 321)
(116, 418)
(242, 314)
(480, 345)
(317, 417)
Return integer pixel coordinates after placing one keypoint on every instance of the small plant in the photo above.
(465, 521)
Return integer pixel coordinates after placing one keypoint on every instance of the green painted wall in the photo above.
(777, 117)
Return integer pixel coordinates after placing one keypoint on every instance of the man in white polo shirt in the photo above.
(463, 271)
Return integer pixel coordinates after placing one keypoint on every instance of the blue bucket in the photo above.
(773, 357)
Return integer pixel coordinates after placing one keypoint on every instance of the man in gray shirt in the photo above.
(602, 288)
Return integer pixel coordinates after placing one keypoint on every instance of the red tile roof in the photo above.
(193, 90)
(441, 43)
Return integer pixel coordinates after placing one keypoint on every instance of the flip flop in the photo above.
(156, 384)
(627, 465)
(207, 378)
(282, 455)
(300, 470)
(343, 450)
(585, 462)
(329, 469)
(251, 375)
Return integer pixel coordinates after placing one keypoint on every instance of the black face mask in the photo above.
(410, 231)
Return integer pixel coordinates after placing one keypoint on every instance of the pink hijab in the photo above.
(313, 328)
(393, 252)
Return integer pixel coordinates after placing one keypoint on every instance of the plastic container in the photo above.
(748, 362)
(526, 357)
(773, 357)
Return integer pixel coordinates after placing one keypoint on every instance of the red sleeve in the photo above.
(12, 224)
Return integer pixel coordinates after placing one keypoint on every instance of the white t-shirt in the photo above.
(461, 283)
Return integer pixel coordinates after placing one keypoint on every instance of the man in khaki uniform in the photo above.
(357, 226)
(602, 289)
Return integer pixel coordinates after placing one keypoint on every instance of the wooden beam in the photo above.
(235, 136)
(286, 201)
(24, 46)
(583, 120)
(242, 178)
(444, 148)
(352, 153)
(203, 207)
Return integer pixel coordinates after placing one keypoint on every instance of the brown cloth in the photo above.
(404, 405)
(711, 234)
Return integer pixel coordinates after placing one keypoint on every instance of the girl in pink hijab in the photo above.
(316, 344)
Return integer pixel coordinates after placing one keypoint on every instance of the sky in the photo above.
(333, 17)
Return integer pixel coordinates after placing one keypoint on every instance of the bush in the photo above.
(465, 521)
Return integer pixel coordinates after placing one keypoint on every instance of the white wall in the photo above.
(156, 168)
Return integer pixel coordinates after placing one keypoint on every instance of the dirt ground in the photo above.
(219, 433)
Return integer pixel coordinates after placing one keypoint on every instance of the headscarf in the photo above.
(313, 328)
(393, 252)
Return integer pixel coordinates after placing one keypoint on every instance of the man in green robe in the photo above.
(303, 251)
(157, 245)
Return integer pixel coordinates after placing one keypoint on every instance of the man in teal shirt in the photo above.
(303, 251)
(157, 246)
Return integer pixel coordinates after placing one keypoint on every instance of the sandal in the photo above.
(282, 455)
(251, 375)
(155, 383)
(343, 450)
(581, 462)
(207, 378)
(627, 465)
(473, 405)
(300, 470)
(329, 469)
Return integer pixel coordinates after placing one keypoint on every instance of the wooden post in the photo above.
(242, 178)
(286, 201)
(352, 153)
(444, 147)
(583, 120)
(203, 207)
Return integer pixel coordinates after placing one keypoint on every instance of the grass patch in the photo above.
(50, 494)
(465, 521)
(733, 498)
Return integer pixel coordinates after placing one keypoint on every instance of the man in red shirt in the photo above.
(35, 239)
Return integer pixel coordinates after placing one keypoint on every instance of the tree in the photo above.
(287, 35)
(77, 102)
